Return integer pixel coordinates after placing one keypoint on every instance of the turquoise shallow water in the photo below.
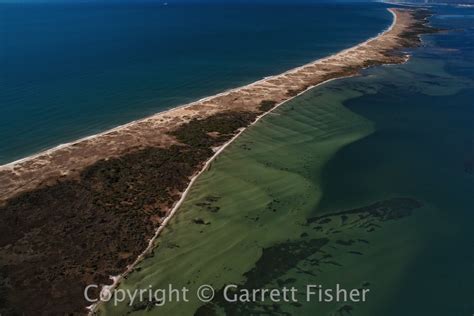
(72, 70)
(365, 182)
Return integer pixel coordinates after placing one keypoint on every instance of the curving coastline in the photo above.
(70, 158)
(199, 131)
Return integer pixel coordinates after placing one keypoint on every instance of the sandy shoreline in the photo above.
(64, 159)
(114, 192)
(225, 92)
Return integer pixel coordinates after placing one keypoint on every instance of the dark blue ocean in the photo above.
(72, 70)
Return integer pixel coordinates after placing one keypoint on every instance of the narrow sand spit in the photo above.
(77, 213)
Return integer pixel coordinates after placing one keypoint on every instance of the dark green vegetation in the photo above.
(267, 105)
(80, 231)
(277, 260)
(222, 126)
(385, 210)
(76, 232)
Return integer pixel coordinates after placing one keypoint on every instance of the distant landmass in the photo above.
(433, 1)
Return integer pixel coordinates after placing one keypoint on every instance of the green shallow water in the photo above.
(396, 132)
(264, 187)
